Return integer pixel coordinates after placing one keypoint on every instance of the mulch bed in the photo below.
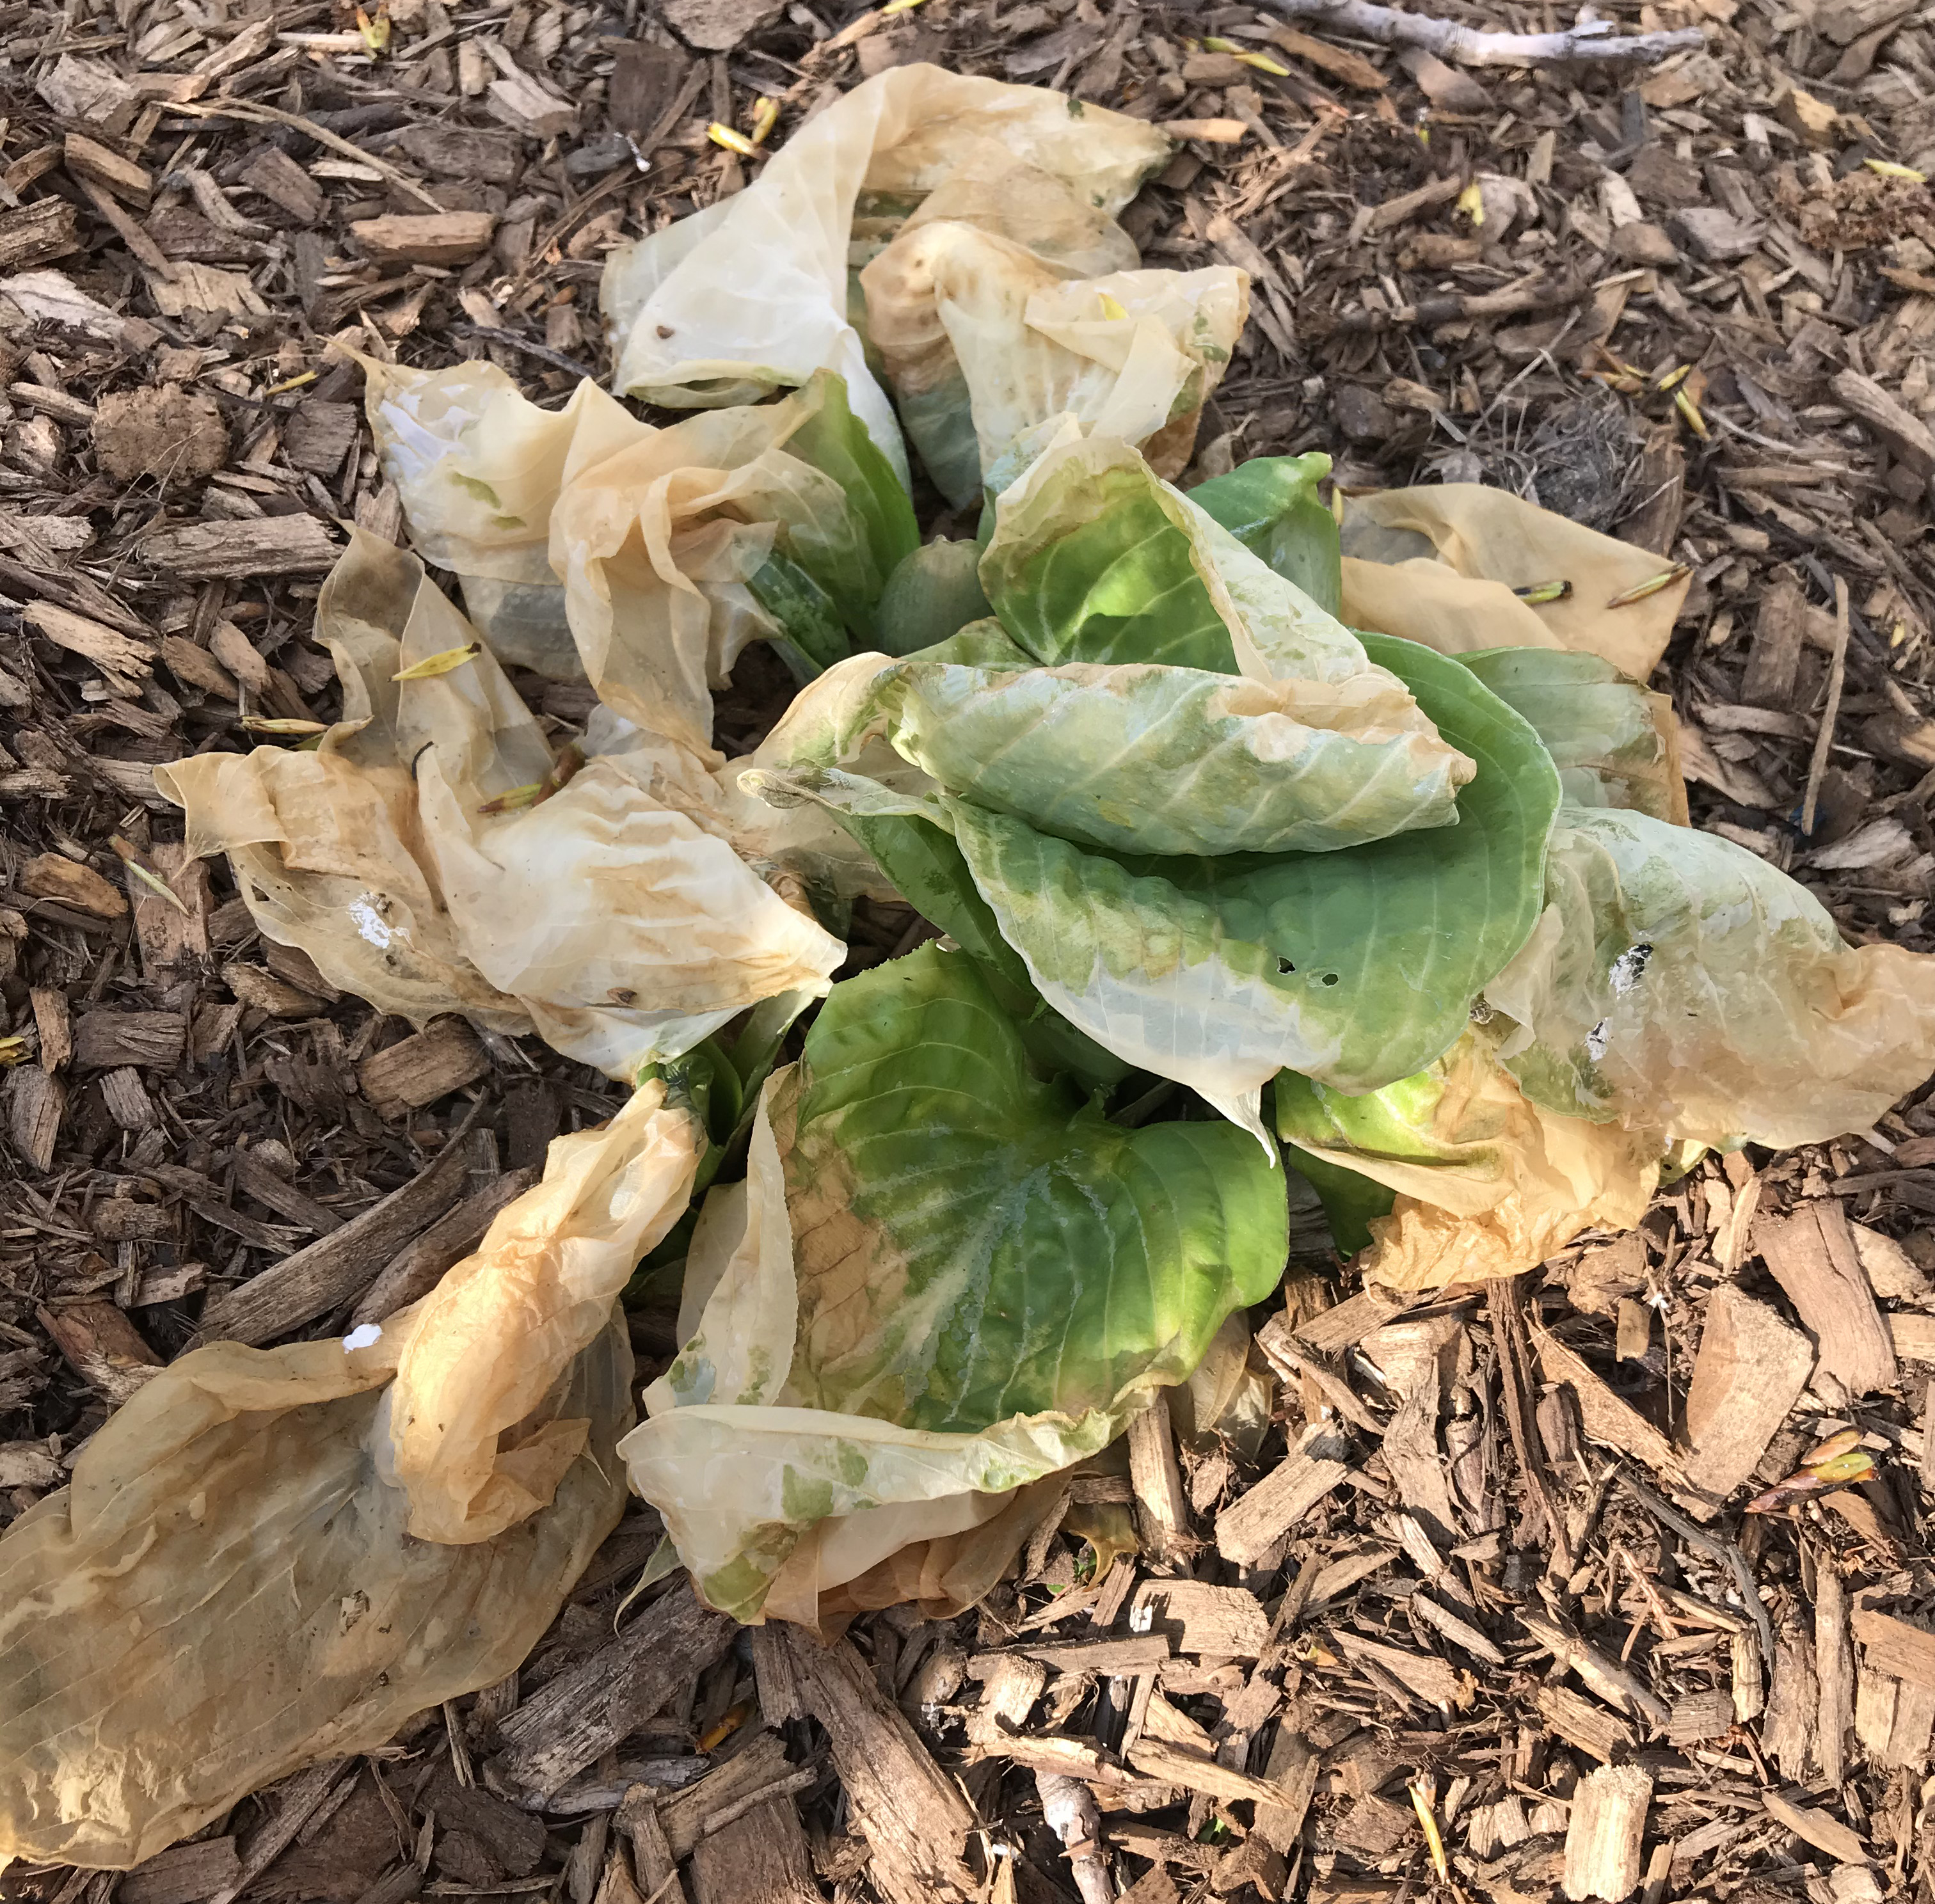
(1467, 1618)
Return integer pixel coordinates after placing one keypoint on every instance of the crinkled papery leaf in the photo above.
(750, 295)
(409, 855)
(1678, 982)
(986, 1277)
(1271, 505)
(982, 339)
(1479, 1181)
(666, 550)
(1614, 742)
(1440, 564)
(1358, 967)
(227, 1591)
(478, 468)
(506, 1322)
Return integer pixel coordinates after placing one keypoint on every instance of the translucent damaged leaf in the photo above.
(751, 294)
(1271, 505)
(1486, 1182)
(227, 1591)
(934, 592)
(1614, 743)
(1059, 232)
(620, 915)
(1094, 559)
(979, 1281)
(502, 1326)
(671, 551)
(326, 845)
(1439, 564)
(981, 337)
(1678, 982)
(479, 468)
(1358, 967)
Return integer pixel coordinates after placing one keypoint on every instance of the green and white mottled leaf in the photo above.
(987, 1278)
(1165, 760)
(1358, 968)
(1678, 982)
(1271, 505)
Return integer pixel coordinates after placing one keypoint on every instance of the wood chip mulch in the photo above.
(1479, 1611)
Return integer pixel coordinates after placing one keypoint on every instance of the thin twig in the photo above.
(1723, 1551)
(1592, 39)
(255, 111)
(511, 340)
(1824, 740)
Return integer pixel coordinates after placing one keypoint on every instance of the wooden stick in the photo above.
(1070, 1809)
(1603, 1837)
(1593, 39)
(1824, 741)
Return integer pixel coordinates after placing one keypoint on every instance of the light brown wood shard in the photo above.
(1822, 1829)
(1252, 1524)
(424, 238)
(1750, 1369)
(1613, 1682)
(422, 1068)
(415, 1270)
(1162, 1512)
(1292, 1768)
(761, 1858)
(53, 876)
(1812, 1255)
(268, 545)
(1604, 1836)
(1176, 1765)
(1834, 1668)
(1193, 1617)
(102, 1347)
(35, 1101)
(117, 656)
(1581, 1722)
(561, 1728)
(1429, 1677)
(1605, 1418)
(183, 1874)
(911, 1812)
(1787, 1732)
(1892, 1645)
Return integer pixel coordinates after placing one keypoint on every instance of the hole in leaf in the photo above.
(1284, 967)
(1329, 978)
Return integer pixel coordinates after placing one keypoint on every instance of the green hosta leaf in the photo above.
(1094, 559)
(1151, 759)
(943, 1279)
(1271, 505)
(909, 840)
(934, 592)
(1679, 983)
(833, 439)
(1358, 968)
(810, 621)
(1350, 1202)
(973, 1243)
(1609, 737)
